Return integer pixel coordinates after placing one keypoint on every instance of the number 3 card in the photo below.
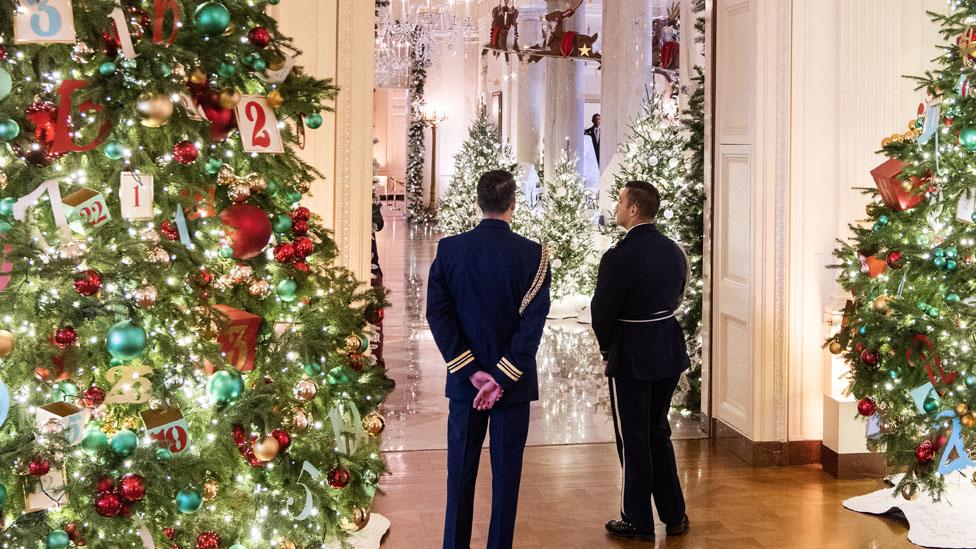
(44, 21)
(258, 125)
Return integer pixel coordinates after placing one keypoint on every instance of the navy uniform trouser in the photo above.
(640, 421)
(466, 429)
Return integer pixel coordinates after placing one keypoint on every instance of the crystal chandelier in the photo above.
(432, 29)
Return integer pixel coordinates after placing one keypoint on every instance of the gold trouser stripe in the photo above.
(458, 367)
(512, 366)
(509, 373)
(459, 358)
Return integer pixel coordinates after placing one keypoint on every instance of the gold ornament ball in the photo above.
(962, 409)
(303, 187)
(198, 77)
(886, 141)
(266, 448)
(256, 183)
(145, 296)
(300, 419)
(836, 348)
(159, 255)
(229, 98)
(238, 193)
(356, 521)
(209, 489)
(352, 344)
(306, 389)
(275, 99)
(156, 109)
(881, 304)
(240, 274)
(7, 341)
(259, 288)
(374, 423)
(287, 544)
(226, 176)
(968, 420)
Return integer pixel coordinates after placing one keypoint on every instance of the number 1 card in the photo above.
(136, 195)
(259, 126)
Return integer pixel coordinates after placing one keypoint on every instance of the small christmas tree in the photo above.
(181, 359)
(567, 230)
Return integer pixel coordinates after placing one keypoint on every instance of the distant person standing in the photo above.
(593, 132)
(487, 302)
(640, 285)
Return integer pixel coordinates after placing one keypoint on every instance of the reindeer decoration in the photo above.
(568, 43)
(503, 19)
(557, 41)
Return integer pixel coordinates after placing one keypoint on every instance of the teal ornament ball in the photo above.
(939, 252)
(124, 442)
(281, 224)
(951, 252)
(5, 226)
(227, 68)
(862, 330)
(338, 376)
(933, 312)
(312, 368)
(114, 151)
(893, 374)
(3, 496)
(7, 207)
(65, 391)
(188, 501)
(930, 405)
(165, 70)
(238, 545)
(973, 216)
(213, 165)
(292, 196)
(6, 84)
(939, 262)
(971, 381)
(967, 138)
(952, 298)
(211, 18)
(877, 227)
(951, 265)
(883, 219)
(95, 439)
(286, 290)
(227, 252)
(107, 68)
(58, 539)
(164, 454)
(314, 120)
(225, 386)
(9, 129)
(126, 340)
(272, 187)
(259, 64)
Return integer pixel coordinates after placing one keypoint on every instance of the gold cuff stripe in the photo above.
(512, 366)
(509, 373)
(461, 365)
(459, 358)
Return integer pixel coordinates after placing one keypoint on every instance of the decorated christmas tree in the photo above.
(658, 151)
(481, 152)
(907, 332)
(567, 230)
(180, 358)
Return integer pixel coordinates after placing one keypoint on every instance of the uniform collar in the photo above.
(641, 228)
(494, 223)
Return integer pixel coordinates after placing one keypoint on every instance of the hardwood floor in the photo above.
(568, 492)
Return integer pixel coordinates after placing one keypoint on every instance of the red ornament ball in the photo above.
(895, 260)
(284, 252)
(132, 487)
(105, 484)
(208, 540)
(240, 438)
(301, 267)
(108, 504)
(870, 357)
(94, 396)
(169, 230)
(169, 532)
(283, 438)
(299, 228)
(39, 466)
(300, 213)
(858, 347)
(259, 37)
(304, 246)
(3, 53)
(88, 282)
(940, 442)
(185, 152)
(248, 229)
(338, 477)
(925, 452)
(202, 278)
(867, 406)
(65, 337)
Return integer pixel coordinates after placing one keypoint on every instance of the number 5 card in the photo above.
(259, 126)
(44, 21)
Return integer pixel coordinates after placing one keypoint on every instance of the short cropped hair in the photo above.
(496, 191)
(645, 196)
(594, 117)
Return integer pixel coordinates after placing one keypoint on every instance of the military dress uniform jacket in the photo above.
(640, 285)
(476, 289)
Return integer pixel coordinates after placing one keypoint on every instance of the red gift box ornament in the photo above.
(871, 265)
(239, 337)
(967, 46)
(891, 187)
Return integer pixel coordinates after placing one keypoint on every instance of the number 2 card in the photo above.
(259, 126)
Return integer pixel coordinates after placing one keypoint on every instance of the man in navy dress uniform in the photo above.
(487, 301)
(640, 285)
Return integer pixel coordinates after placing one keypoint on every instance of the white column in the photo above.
(564, 95)
(531, 89)
(627, 69)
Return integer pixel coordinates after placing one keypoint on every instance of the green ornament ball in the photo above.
(883, 219)
(939, 252)
(5, 226)
(922, 306)
(126, 340)
(250, 58)
(107, 68)
(95, 439)
(877, 227)
(6, 84)
(933, 312)
(930, 405)
(951, 252)
(165, 70)
(213, 165)
(65, 391)
(314, 120)
(971, 381)
(227, 68)
(967, 138)
(312, 368)
(259, 64)
(58, 539)
(272, 188)
(286, 290)
(114, 151)
(952, 298)
(973, 216)
(281, 224)
(225, 386)
(939, 262)
(3, 496)
(189, 501)
(124, 442)
(338, 376)
(227, 252)
(164, 454)
(951, 265)
(7, 206)
(9, 129)
(211, 18)
(292, 196)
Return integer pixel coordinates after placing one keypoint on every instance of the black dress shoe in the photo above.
(678, 529)
(624, 529)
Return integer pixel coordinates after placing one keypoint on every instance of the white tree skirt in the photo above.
(367, 538)
(568, 307)
(946, 523)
